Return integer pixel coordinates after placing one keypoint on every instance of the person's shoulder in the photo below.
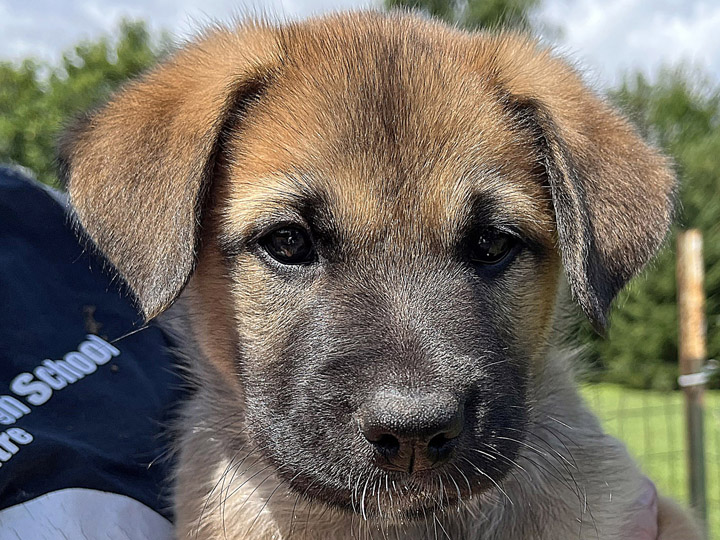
(83, 514)
(20, 180)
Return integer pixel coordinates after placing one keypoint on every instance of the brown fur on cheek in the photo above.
(265, 308)
(210, 308)
(532, 295)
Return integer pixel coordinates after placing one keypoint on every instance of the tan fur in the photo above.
(237, 125)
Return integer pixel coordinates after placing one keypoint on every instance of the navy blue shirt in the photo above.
(85, 396)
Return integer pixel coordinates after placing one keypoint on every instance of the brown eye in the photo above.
(491, 247)
(289, 245)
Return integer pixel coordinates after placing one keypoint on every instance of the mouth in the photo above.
(377, 471)
(395, 454)
(401, 496)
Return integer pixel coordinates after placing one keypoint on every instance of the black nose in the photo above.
(411, 430)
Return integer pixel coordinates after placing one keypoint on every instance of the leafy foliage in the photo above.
(36, 100)
(681, 116)
(474, 13)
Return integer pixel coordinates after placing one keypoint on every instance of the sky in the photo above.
(605, 37)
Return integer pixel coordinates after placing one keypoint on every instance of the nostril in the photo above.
(411, 430)
(440, 447)
(387, 444)
(437, 442)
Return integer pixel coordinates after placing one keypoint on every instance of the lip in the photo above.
(384, 494)
(349, 479)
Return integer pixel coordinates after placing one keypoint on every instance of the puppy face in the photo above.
(389, 304)
(382, 209)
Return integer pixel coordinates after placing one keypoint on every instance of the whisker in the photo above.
(362, 501)
(265, 504)
(486, 475)
(441, 527)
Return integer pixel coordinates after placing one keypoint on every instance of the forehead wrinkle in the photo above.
(278, 196)
(356, 211)
(517, 202)
(409, 177)
(511, 199)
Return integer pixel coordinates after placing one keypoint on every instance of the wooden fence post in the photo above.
(692, 356)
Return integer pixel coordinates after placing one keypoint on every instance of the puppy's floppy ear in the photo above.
(613, 195)
(138, 168)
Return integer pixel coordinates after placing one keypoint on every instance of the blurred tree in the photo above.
(682, 117)
(681, 114)
(36, 100)
(474, 14)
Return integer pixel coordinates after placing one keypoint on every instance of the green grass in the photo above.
(652, 424)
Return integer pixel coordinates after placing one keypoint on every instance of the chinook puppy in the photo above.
(375, 223)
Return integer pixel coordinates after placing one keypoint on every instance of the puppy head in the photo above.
(375, 212)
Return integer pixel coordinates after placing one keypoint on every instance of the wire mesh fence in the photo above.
(652, 424)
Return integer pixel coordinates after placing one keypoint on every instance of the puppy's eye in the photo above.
(289, 245)
(491, 247)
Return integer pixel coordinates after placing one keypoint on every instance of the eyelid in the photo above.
(533, 242)
(233, 244)
(262, 229)
(507, 229)
(492, 213)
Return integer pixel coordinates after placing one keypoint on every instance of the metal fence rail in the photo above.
(652, 424)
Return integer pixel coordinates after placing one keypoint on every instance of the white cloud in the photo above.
(44, 28)
(605, 36)
(614, 36)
